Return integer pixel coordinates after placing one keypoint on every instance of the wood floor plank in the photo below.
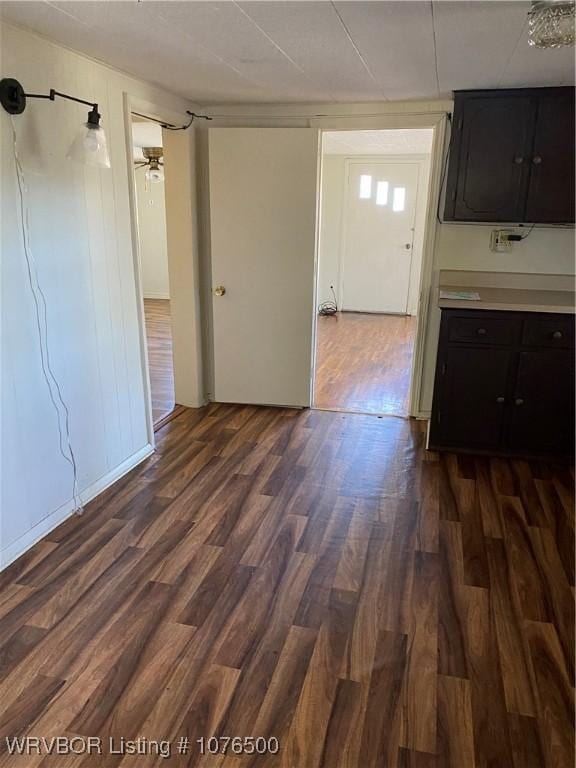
(556, 695)
(534, 599)
(452, 657)
(455, 724)
(515, 661)
(489, 716)
(557, 588)
(419, 695)
(381, 732)
(305, 741)
(309, 575)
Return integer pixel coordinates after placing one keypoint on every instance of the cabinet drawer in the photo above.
(483, 330)
(554, 331)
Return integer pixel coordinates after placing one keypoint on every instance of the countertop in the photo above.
(509, 292)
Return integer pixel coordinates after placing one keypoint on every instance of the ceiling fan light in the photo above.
(551, 24)
(90, 146)
(154, 175)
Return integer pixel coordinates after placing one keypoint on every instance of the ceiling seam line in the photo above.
(511, 56)
(211, 53)
(358, 52)
(280, 49)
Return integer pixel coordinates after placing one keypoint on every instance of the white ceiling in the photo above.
(414, 141)
(311, 51)
(145, 134)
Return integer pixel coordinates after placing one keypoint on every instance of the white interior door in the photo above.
(263, 235)
(380, 210)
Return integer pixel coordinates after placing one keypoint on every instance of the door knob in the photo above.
(408, 246)
(537, 160)
(557, 335)
(500, 399)
(219, 290)
(519, 401)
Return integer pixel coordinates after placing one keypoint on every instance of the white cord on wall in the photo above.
(54, 390)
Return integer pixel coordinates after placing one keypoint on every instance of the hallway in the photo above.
(364, 363)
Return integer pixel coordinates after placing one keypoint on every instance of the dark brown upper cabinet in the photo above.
(512, 156)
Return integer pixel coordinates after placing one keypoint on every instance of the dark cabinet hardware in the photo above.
(479, 375)
(495, 126)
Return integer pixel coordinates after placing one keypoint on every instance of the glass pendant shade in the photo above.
(154, 175)
(89, 147)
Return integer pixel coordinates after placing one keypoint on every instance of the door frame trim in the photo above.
(157, 112)
(437, 121)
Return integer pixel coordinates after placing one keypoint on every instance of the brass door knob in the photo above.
(219, 290)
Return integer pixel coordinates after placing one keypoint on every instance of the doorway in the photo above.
(373, 207)
(148, 160)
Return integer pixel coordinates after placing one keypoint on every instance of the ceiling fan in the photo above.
(153, 163)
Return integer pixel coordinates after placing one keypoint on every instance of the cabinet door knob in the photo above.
(500, 399)
(519, 401)
(481, 331)
(219, 290)
(557, 335)
(518, 160)
(537, 160)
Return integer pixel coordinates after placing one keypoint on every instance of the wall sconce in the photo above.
(89, 146)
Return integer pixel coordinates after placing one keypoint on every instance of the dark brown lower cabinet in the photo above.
(504, 383)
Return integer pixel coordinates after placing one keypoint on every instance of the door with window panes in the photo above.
(380, 211)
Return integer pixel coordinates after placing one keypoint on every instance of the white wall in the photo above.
(331, 212)
(152, 237)
(82, 240)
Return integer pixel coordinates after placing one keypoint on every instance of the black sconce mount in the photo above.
(13, 99)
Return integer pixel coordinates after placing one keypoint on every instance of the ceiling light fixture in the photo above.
(551, 24)
(89, 146)
(153, 163)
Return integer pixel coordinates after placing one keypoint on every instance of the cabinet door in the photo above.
(473, 385)
(551, 185)
(542, 410)
(492, 142)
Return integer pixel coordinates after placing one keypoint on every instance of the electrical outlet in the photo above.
(500, 240)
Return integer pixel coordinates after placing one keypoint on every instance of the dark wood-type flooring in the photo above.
(311, 575)
(159, 341)
(364, 363)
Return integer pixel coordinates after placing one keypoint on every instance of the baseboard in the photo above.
(53, 520)
(159, 295)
